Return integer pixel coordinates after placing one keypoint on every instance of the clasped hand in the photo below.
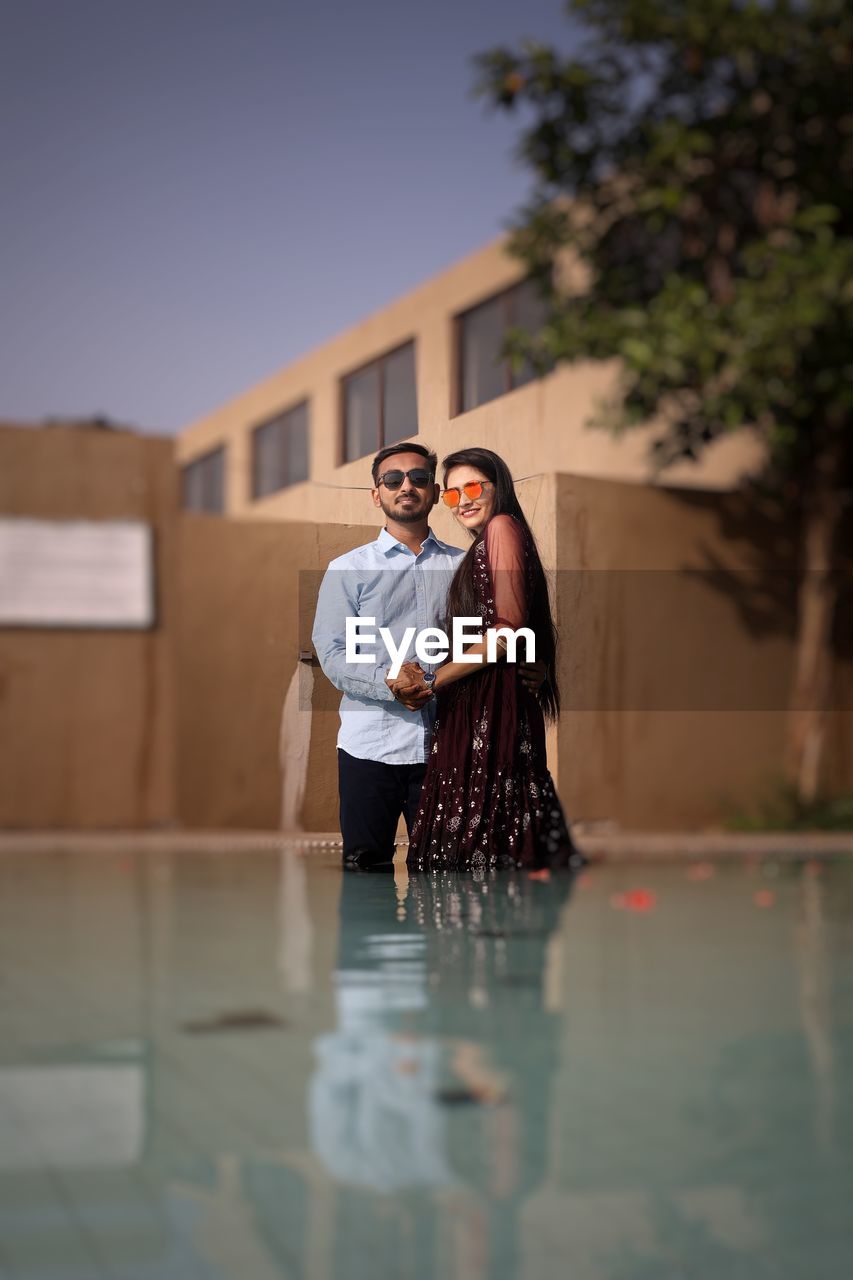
(409, 686)
(411, 690)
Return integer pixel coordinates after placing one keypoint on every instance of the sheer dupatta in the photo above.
(506, 555)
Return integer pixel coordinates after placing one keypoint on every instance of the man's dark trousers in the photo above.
(372, 796)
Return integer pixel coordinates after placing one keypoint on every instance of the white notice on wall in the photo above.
(76, 573)
(71, 1116)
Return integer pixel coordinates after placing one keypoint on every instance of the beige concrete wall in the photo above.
(675, 684)
(247, 606)
(182, 724)
(634, 745)
(211, 721)
(538, 428)
(86, 717)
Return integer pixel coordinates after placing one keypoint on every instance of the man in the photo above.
(400, 580)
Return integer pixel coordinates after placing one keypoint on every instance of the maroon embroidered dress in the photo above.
(488, 799)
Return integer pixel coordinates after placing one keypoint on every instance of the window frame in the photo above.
(200, 460)
(268, 421)
(344, 378)
(505, 296)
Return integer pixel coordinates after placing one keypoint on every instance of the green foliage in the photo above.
(696, 157)
(781, 809)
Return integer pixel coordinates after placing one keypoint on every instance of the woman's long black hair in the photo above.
(462, 597)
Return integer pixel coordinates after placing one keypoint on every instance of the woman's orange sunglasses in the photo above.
(472, 490)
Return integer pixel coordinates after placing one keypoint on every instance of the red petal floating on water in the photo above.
(634, 900)
(764, 898)
(641, 900)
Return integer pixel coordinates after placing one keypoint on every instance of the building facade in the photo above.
(427, 367)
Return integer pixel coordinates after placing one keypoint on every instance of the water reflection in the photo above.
(88, 1110)
(217, 1067)
(813, 971)
(437, 1077)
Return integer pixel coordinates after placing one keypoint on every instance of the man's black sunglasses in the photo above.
(419, 476)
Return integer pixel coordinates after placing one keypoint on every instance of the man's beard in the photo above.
(404, 515)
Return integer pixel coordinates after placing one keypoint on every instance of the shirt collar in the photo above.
(387, 543)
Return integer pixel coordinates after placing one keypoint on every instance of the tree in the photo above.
(696, 157)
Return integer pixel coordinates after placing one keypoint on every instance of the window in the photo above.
(203, 482)
(380, 403)
(484, 371)
(280, 451)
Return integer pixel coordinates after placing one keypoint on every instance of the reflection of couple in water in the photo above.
(458, 748)
(438, 1074)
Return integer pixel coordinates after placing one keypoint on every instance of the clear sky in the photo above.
(193, 193)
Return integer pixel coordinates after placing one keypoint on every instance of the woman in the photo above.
(488, 799)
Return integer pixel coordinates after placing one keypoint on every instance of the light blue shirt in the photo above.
(384, 580)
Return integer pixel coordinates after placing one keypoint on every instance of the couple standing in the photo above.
(458, 749)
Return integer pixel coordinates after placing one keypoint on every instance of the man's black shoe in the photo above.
(368, 860)
(375, 869)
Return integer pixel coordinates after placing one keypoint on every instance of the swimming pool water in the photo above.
(253, 1066)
